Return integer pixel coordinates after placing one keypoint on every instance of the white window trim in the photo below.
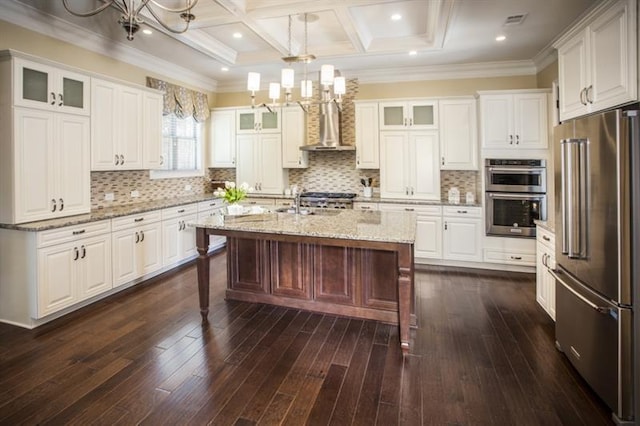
(176, 174)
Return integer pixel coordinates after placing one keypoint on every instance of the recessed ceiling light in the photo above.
(147, 31)
(237, 35)
(224, 69)
(501, 38)
(413, 52)
(396, 17)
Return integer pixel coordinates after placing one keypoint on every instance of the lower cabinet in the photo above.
(71, 272)
(211, 208)
(178, 239)
(428, 244)
(462, 235)
(136, 246)
(545, 260)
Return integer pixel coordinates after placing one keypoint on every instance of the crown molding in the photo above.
(545, 57)
(422, 73)
(48, 25)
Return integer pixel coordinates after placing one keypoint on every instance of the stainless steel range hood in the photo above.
(330, 130)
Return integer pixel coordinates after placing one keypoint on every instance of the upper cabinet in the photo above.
(294, 134)
(222, 146)
(367, 136)
(598, 60)
(46, 87)
(126, 127)
(253, 120)
(514, 119)
(458, 134)
(409, 115)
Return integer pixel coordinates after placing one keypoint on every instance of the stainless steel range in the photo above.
(330, 200)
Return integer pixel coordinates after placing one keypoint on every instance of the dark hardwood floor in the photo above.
(483, 354)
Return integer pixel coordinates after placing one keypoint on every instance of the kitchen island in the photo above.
(340, 262)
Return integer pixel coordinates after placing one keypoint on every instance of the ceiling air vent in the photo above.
(515, 19)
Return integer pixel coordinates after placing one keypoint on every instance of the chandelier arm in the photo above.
(95, 11)
(143, 3)
(189, 6)
(165, 26)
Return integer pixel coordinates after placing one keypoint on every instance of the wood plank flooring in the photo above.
(483, 354)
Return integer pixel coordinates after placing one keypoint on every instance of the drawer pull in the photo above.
(544, 237)
(78, 232)
(409, 209)
(462, 211)
(140, 219)
(516, 257)
(181, 211)
(365, 207)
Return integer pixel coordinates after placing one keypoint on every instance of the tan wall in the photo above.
(21, 39)
(547, 76)
(428, 88)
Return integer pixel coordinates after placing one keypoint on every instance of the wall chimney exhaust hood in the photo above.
(330, 130)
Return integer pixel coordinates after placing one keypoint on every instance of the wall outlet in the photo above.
(135, 194)
(187, 187)
(108, 196)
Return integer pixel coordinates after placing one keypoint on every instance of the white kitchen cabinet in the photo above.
(153, 157)
(136, 247)
(253, 120)
(597, 60)
(259, 163)
(222, 147)
(294, 135)
(428, 243)
(545, 260)
(462, 233)
(514, 119)
(359, 205)
(212, 208)
(458, 134)
(367, 135)
(116, 126)
(178, 239)
(408, 115)
(51, 166)
(74, 270)
(47, 87)
(410, 165)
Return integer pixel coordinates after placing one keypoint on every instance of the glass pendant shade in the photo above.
(306, 88)
(287, 78)
(253, 81)
(274, 91)
(340, 86)
(326, 75)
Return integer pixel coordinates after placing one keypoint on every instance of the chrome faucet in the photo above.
(297, 200)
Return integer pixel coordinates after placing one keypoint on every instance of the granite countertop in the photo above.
(549, 225)
(108, 213)
(395, 227)
(377, 199)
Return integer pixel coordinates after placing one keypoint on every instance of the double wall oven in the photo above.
(515, 195)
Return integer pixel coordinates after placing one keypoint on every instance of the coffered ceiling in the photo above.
(359, 37)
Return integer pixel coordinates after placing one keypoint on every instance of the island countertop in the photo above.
(381, 226)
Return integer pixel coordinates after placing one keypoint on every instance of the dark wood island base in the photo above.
(356, 278)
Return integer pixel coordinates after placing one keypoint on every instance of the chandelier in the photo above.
(287, 82)
(131, 19)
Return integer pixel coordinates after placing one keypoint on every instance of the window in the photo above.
(181, 148)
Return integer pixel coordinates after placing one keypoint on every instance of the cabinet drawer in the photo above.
(72, 233)
(258, 201)
(135, 220)
(365, 206)
(173, 212)
(511, 257)
(285, 202)
(546, 237)
(421, 209)
(213, 203)
(462, 211)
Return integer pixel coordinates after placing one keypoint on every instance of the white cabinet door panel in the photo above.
(56, 278)
(428, 237)
(124, 257)
(424, 165)
(394, 171)
(73, 158)
(94, 276)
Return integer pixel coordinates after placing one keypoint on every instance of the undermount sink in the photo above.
(307, 212)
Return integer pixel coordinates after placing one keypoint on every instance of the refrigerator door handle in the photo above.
(584, 185)
(565, 194)
(601, 309)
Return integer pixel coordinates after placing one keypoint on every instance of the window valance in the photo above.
(181, 101)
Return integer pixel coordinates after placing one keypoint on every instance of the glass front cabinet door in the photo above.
(258, 120)
(412, 115)
(46, 87)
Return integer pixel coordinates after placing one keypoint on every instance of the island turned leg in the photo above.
(405, 283)
(202, 243)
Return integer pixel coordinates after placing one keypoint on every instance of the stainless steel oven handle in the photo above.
(601, 309)
(524, 170)
(514, 196)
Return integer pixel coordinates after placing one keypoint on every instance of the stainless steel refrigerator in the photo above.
(597, 181)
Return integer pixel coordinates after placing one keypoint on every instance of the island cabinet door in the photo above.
(334, 275)
(247, 266)
(290, 269)
(379, 277)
